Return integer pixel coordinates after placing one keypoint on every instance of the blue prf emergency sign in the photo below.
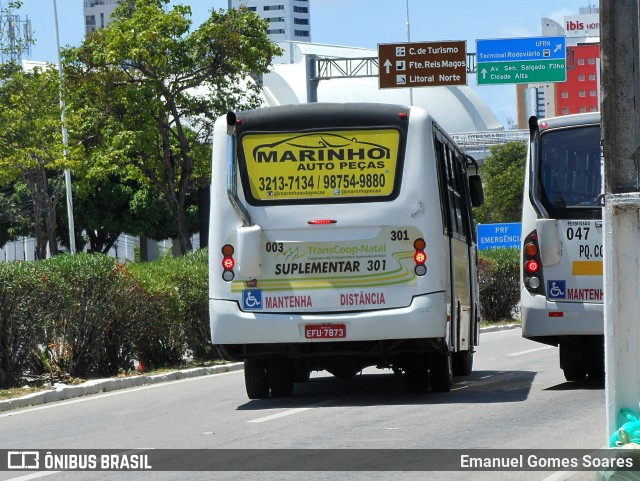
(491, 236)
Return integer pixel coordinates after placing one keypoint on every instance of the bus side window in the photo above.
(455, 200)
(459, 192)
(442, 177)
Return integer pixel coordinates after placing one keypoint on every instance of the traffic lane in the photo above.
(180, 414)
(225, 407)
(218, 414)
(516, 397)
(386, 416)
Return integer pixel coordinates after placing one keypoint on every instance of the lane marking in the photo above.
(37, 475)
(521, 353)
(458, 388)
(291, 412)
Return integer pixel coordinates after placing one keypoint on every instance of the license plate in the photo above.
(325, 331)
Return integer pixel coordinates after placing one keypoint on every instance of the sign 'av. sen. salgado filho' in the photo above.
(422, 64)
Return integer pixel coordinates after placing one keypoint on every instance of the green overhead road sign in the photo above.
(521, 60)
(522, 72)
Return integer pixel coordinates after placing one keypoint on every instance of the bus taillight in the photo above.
(531, 249)
(532, 264)
(533, 267)
(228, 263)
(420, 257)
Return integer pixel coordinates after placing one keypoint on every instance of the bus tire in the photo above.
(574, 373)
(280, 373)
(301, 372)
(416, 373)
(441, 370)
(255, 378)
(462, 362)
(596, 373)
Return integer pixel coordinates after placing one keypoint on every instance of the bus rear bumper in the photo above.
(425, 317)
(544, 319)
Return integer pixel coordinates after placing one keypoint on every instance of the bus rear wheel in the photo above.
(416, 373)
(574, 373)
(280, 374)
(441, 371)
(256, 380)
(462, 362)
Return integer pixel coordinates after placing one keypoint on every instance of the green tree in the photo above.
(503, 179)
(15, 212)
(31, 145)
(156, 88)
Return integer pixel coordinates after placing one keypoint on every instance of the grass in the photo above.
(19, 391)
(504, 322)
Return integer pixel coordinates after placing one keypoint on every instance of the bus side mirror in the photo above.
(249, 250)
(476, 190)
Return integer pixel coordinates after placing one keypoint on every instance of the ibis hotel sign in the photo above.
(422, 64)
(582, 25)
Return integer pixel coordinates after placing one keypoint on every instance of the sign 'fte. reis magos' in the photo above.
(422, 64)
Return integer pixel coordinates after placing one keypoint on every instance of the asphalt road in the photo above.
(515, 398)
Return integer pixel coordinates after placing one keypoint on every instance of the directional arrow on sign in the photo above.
(484, 73)
(388, 65)
(558, 48)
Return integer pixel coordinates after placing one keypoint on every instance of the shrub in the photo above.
(178, 286)
(163, 343)
(25, 314)
(499, 282)
(99, 314)
(88, 314)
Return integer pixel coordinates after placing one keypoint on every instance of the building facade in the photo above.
(97, 14)
(581, 91)
(288, 19)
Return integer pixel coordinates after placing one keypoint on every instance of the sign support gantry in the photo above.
(327, 68)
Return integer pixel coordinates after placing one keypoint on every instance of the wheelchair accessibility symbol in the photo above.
(557, 289)
(252, 299)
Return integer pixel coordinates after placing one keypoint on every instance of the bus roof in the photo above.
(300, 116)
(569, 120)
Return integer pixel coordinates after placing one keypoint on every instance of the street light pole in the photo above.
(65, 139)
(409, 41)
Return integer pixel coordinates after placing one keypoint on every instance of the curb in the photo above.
(498, 328)
(62, 391)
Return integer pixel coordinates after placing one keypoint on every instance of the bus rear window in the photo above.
(570, 171)
(320, 166)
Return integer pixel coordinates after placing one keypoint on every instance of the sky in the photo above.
(358, 23)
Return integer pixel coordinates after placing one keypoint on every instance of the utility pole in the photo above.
(620, 60)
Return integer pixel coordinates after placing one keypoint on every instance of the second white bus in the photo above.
(341, 237)
(562, 296)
